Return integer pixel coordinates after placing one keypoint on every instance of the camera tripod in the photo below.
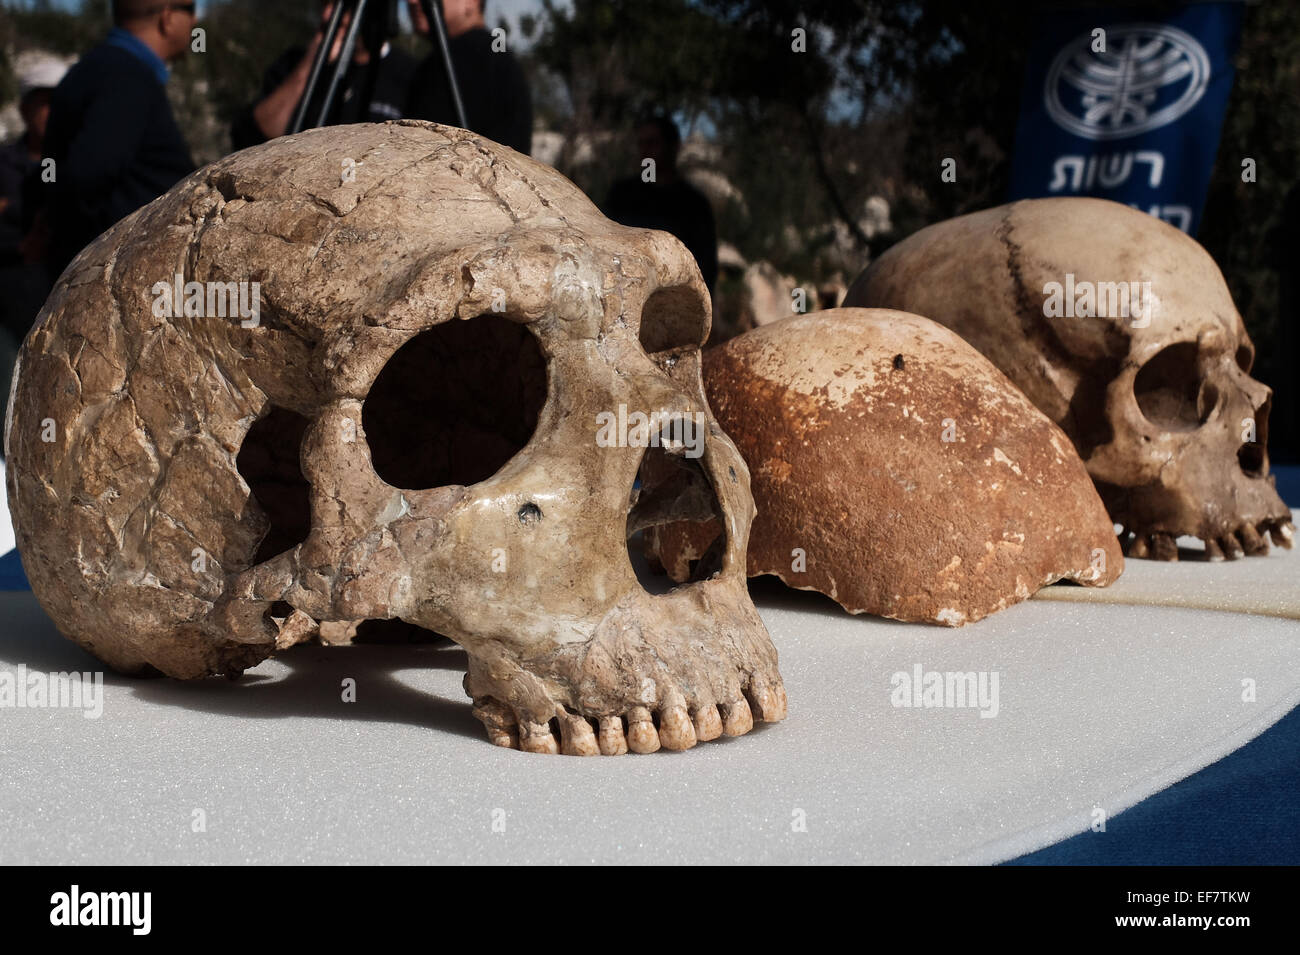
(372, 22)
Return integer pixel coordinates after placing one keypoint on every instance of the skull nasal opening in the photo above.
(1252, 456)
(674, 503)
(455, 403)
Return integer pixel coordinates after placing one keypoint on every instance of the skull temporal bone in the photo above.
(1160, 404)
(437, 227)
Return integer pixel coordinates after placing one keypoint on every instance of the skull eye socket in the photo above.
(673, 318)
(1170, 391)
(455, 403)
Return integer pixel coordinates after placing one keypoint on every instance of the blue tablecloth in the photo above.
(1242, 810)
(11, 572)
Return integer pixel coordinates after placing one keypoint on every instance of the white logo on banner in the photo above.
(1149, 76)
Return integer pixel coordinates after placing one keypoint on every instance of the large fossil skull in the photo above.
(1122, 330)
(902, 472)
(441, 323)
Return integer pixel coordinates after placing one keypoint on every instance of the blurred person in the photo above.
(666, 201)
(23, 285)
(21, 158)
(492, 85)
(372, 90)
(111, 131)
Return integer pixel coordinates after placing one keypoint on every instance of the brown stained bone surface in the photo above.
(408, 433)
(1160, 403)
(897, 471)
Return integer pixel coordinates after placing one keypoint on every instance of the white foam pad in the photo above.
(1100, 705)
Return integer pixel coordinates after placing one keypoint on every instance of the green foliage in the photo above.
(40, 26)
(1242, 219)
(877, 95)
(612, 60)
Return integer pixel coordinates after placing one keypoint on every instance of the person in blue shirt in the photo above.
(111, 132)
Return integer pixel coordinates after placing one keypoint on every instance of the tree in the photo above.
(1242, 219)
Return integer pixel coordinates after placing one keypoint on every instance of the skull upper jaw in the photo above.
(1197, 506)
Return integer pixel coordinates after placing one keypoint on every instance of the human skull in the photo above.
(438, 323)
(1122, 330)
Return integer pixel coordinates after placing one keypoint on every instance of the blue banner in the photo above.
(1127, 105)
